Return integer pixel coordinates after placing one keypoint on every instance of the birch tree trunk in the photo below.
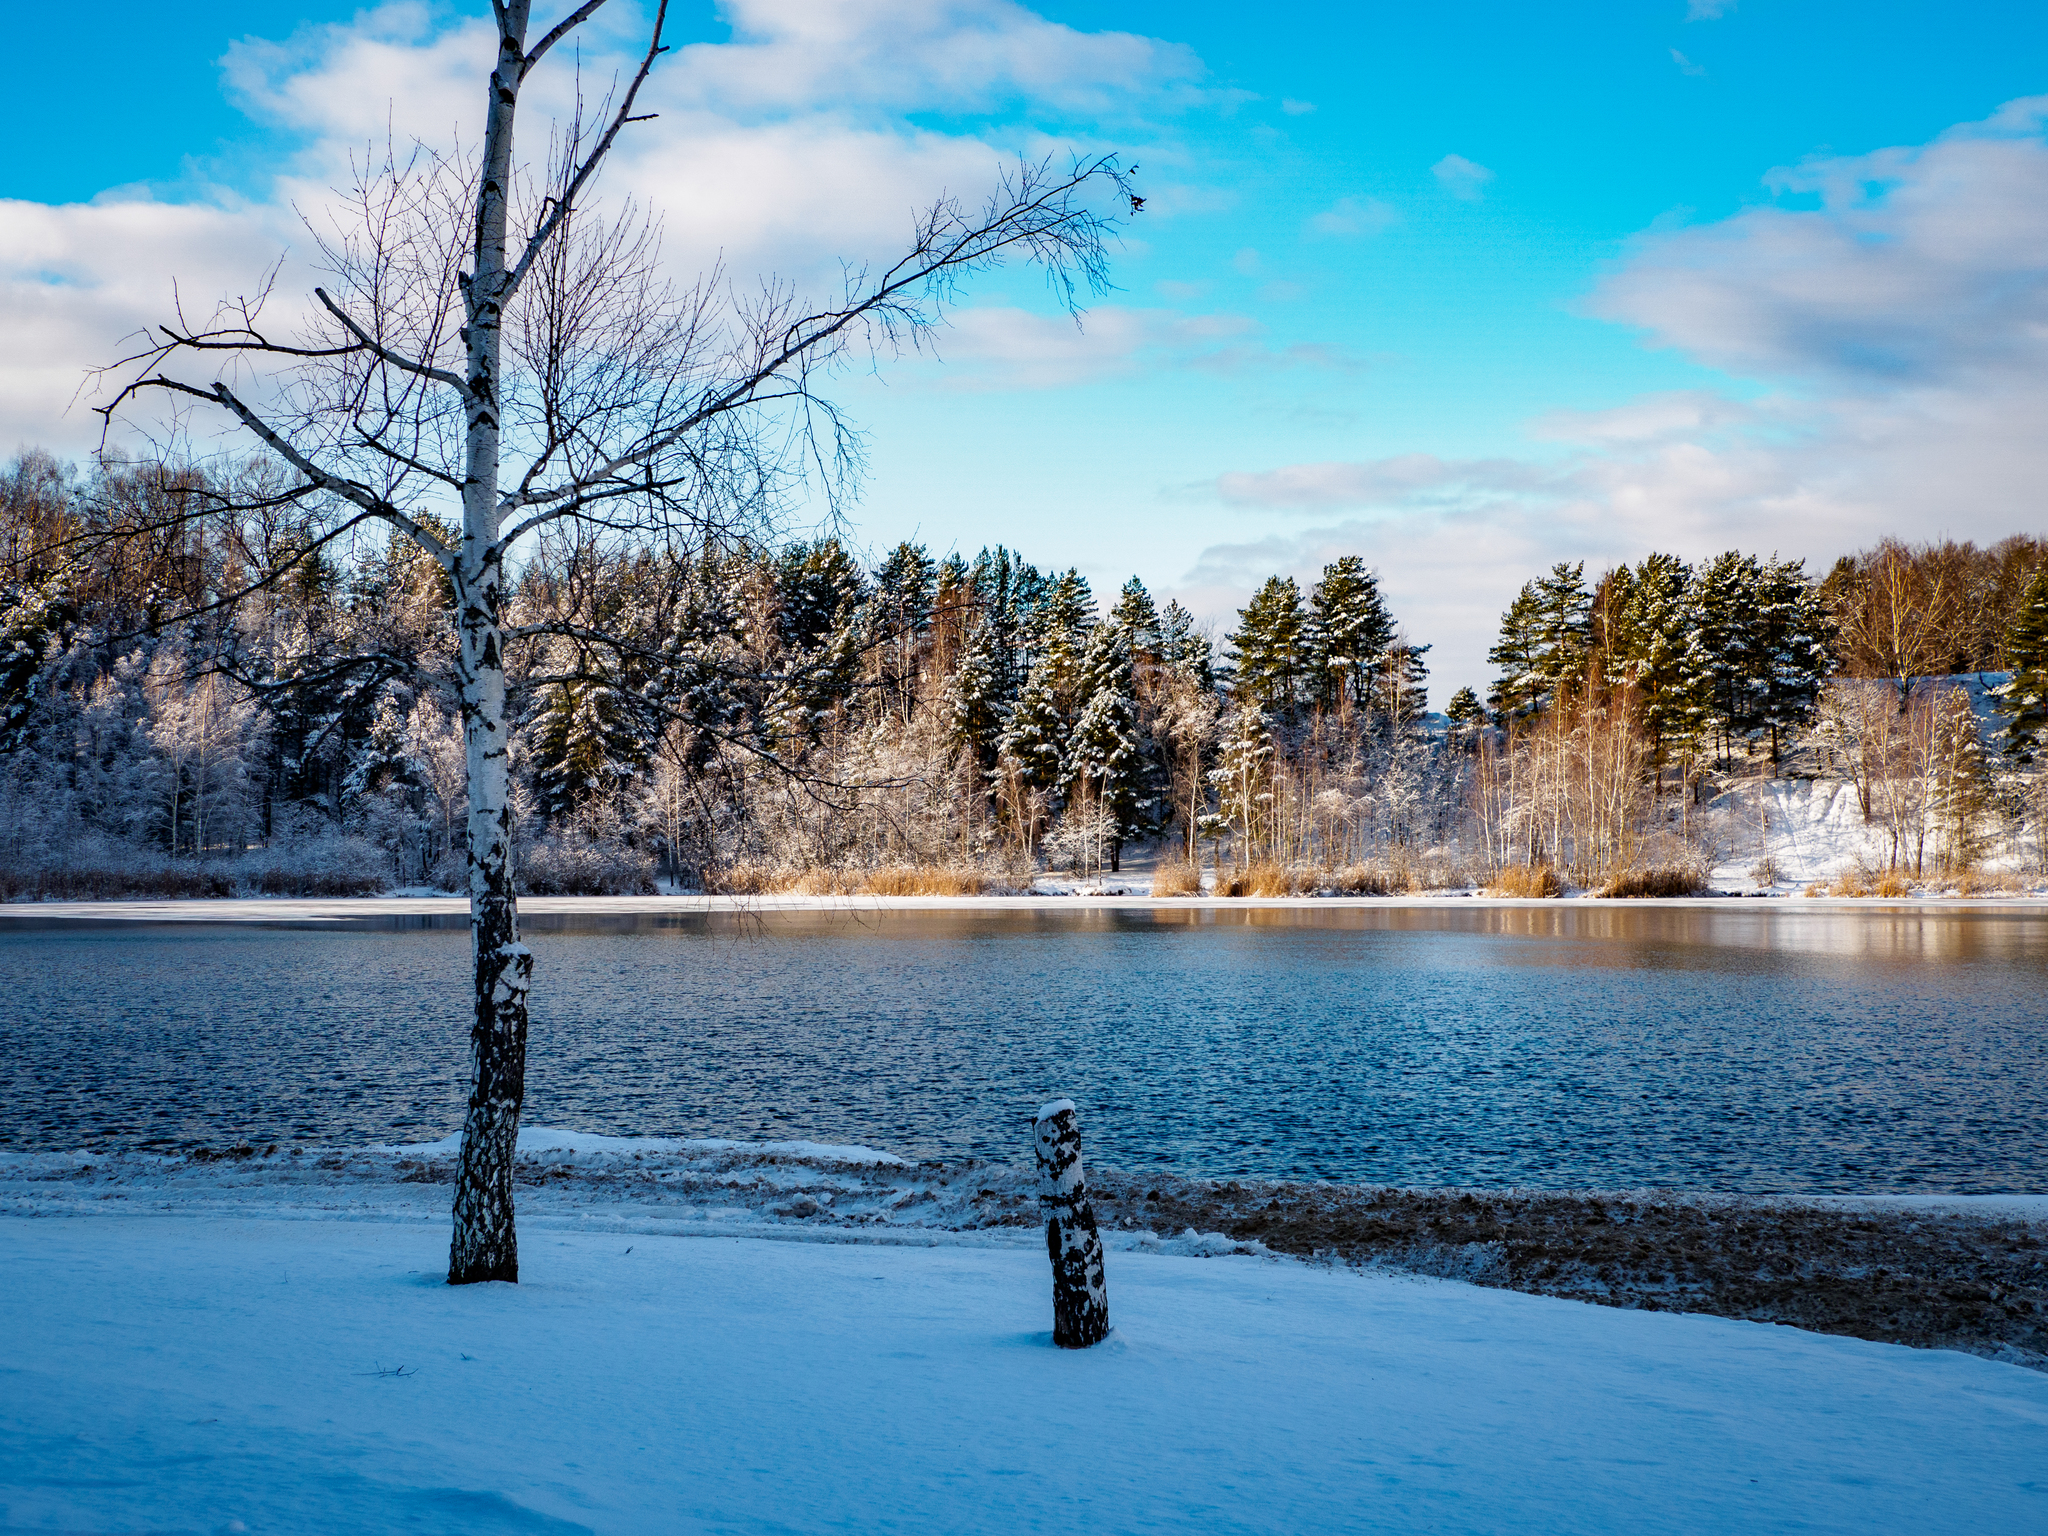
(485, 1246)
(1080, 1297)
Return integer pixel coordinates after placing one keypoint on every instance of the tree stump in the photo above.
(1080, 1299)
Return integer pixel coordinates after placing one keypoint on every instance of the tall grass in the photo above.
(1525, 881)
(1177, 880)
(1660, 880)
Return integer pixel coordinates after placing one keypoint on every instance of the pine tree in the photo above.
(1105, 761)
(1794, 636)
(979, 707)
(1467, 716)
(586, 747)
(1349, 630)
(1035, 735)
(1545, 642)
(1184, 648)
(2024, 696)
(815, 586)
(1138, 617)
(1654, 647)
(1270, 647)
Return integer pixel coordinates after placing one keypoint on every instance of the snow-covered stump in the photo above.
(1080, 1299)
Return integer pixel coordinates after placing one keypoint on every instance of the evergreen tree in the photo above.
(1064, 619)
(1105, 760)
(1467, 716)
(815, 587)
(586, 747)
(1654, 646)
(1545, 642)
(1035, 734)
(1349, 630)
(979, 707)
(2024, 696)
(1766, 633)
(1270, 647)
(1138, 617)
(1184, 648)
(1794, 635)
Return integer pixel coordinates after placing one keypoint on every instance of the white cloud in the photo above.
(1353, 216)
(1462, 178)
(782, 150)
(1685, 65)
(1295, 108)
(1923, 265)
(1707, 10)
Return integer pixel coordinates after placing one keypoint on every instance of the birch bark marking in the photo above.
(1080, 1298)
(484, 1245)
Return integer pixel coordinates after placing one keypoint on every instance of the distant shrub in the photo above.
(1851, 883)
(1893, 883)
(1664, 880)
(1363, 880)
(1526, 881)
(1177, 879)
(567, 865)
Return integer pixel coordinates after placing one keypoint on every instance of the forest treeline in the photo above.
(746, 717)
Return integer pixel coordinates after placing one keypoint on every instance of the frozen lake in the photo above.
(1732, 1047)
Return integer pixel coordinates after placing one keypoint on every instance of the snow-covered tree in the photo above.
(1270, 649)
(2024, 695)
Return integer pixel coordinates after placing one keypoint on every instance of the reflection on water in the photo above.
(1734, 1046)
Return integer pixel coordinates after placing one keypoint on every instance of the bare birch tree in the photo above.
(492, 343)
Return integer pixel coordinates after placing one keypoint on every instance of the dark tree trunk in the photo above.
(1080, 1298)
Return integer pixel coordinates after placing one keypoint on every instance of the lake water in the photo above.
(1734, 1048)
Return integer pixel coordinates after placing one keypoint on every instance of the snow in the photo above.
(268, 1341)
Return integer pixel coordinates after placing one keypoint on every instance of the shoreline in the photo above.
(1959, 1272)
(292, 908)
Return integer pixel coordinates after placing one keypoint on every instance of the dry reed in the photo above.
(1177, 880)
(1526, 881)
(1663, 880)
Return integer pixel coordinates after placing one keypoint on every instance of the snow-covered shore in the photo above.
(266, 1345)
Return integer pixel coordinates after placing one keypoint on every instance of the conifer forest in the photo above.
(757, 716)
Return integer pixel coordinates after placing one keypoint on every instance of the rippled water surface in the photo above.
(1734, 1049)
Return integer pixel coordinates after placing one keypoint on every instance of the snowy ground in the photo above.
(265, 1344)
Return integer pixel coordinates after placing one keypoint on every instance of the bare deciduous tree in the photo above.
(491, 343)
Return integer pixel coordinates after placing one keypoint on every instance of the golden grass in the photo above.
(1269, 879)
(1177, 879)
(1525, 880)
(1661, 880)
(1892, 883)
(899, 880)
(1851, 883)
(924, 881)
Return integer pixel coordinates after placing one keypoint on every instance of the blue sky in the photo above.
(1463, 289)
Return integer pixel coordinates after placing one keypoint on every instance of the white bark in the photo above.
(1080, 1296)
(485, 1245)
